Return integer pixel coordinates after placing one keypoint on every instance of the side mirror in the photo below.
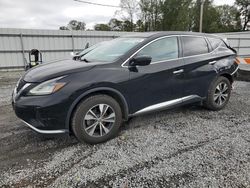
(140, 61)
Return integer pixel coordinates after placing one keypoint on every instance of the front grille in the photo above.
(20, 85)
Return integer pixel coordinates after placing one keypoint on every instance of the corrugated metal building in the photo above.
(16, 43)
(240, 41)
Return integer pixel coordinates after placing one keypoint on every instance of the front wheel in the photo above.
(97, 119)
(218, 94)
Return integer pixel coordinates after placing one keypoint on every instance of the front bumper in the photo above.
(43, 114)
(235, 72)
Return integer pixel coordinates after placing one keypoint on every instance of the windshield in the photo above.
(111, 50)
(87, 50)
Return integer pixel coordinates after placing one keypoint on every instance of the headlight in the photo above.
(48, 87)
(18, 82)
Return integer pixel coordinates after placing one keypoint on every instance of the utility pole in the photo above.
(201, 14)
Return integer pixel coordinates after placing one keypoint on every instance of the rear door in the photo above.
(199, 69)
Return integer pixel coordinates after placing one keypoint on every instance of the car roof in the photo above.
(166, 33)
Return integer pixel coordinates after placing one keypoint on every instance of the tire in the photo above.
(90, 125)
(218, 94)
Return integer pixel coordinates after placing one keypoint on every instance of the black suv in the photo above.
(128, 76)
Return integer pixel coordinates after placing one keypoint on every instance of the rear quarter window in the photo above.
(215, 42)
(194, 46)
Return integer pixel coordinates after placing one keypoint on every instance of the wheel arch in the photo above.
(228, 76)
(101, 90)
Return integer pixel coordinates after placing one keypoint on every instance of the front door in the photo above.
(160, 82)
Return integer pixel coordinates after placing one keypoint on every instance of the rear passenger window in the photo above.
(215, 42)
(162, 49)
(194, 46)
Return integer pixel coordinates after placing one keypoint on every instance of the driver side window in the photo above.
(162, 49)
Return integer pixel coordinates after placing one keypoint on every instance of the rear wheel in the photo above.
(218, 94)
(97, 119)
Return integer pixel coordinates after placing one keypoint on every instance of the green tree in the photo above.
(129, 9)
(127, 25)
(182, 15)
(139, 26)
(115, 25)
(76, 25)
(244, 7)
(63, 28)
(150, 14)
(177, 15)
(102, 27)
(229, 18)
(211, 17)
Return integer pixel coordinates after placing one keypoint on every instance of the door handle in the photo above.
(212, 62)
(178, 71)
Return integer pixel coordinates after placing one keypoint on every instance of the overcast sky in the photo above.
(51, 14)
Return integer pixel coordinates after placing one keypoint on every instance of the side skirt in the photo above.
(167, 104)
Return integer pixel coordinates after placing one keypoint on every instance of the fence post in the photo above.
(73, 44)
(22, 47)
(239, 46)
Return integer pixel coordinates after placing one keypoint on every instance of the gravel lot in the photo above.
(184, 147)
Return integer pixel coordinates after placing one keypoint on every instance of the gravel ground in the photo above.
(184, 147)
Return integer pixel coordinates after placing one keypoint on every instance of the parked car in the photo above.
(125, 77)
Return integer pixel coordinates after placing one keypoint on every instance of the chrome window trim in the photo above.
(179, 58)
(146, 46)
(163, 105)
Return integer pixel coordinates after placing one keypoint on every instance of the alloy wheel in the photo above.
(99, 120)
(221, 93)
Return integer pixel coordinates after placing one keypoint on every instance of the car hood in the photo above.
(55, 69)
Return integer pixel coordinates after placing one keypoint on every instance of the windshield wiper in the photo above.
(85, 60)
